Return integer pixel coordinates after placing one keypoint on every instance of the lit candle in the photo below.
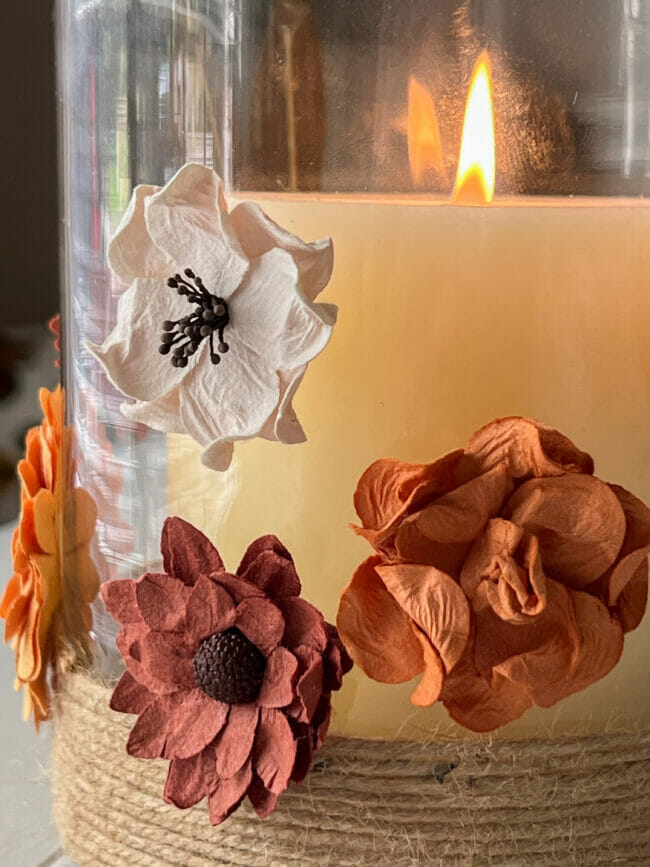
(449, 317)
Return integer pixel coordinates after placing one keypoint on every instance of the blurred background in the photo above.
(28, 238)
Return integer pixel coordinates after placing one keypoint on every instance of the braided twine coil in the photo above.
(560, 801)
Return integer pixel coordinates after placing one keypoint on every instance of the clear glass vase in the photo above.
(345, 119)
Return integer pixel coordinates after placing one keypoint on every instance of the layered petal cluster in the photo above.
(46, 603)
(218, 325)
(231, 675)
(506, 574)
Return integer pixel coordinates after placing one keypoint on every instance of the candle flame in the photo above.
(423, 133)
(476, 164)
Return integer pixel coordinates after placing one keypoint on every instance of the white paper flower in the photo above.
(218, 325)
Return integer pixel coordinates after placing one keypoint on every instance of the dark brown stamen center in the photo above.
(229, 668)
(182, 337)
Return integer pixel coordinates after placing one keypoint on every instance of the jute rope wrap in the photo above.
(583, 800)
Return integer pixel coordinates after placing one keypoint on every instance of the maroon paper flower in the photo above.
(231, 675)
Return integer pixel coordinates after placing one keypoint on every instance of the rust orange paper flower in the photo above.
(46, 604)
(506, 574)
(230, 674)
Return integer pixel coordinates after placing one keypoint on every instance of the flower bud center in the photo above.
(229, 668)
(182, 337)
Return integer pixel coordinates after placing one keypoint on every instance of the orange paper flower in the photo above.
(506, 574)
(46, 604)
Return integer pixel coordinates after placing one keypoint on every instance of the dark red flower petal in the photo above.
(186, 552)
(129, 642)
(149, 734)
(321, 719)
(190, 780)
(275, 575)
(161, 600)
(237, 588)
(259, 546)
(177, 726)
(167, 656)
(304, 751)
(264, 802)
(310, 683)
(210, 609)
(274, 750)
(129, 696)
(234, 742)
(121, 601)
(277, 688)
(228, 794)
(304, 624)
(336, 660)
(194, 725)
(261, 621)
(269, 566)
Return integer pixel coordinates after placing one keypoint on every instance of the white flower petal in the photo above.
(131, 252)
(218, 455)
(189, 220)
(230, 400)
(130, 353)
(283, 425)
(272, 317)
(258, 234)
(162, 414)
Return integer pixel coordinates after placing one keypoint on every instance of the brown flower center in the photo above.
(229, 668)
(182, 337)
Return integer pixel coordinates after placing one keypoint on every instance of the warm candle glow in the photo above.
(423, 132)
(476, 164)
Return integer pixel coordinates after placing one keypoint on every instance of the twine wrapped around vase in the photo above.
(554, 801)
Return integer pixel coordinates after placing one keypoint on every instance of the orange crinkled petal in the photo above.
(540, 655)
(435, 602)
(527, 447)
(626, 583)
(504, 570)
(480, 703)
(430, 686)
(440, 534)
(578, 520)
(389, 489)
(375, 630)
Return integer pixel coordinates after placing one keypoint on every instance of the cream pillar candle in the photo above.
(449, 317)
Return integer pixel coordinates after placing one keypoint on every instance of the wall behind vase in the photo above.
(28, 163)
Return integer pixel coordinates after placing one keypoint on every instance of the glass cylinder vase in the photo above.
(461, 299)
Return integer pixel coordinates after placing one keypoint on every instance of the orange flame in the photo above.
(423, 133)
(476, 164)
